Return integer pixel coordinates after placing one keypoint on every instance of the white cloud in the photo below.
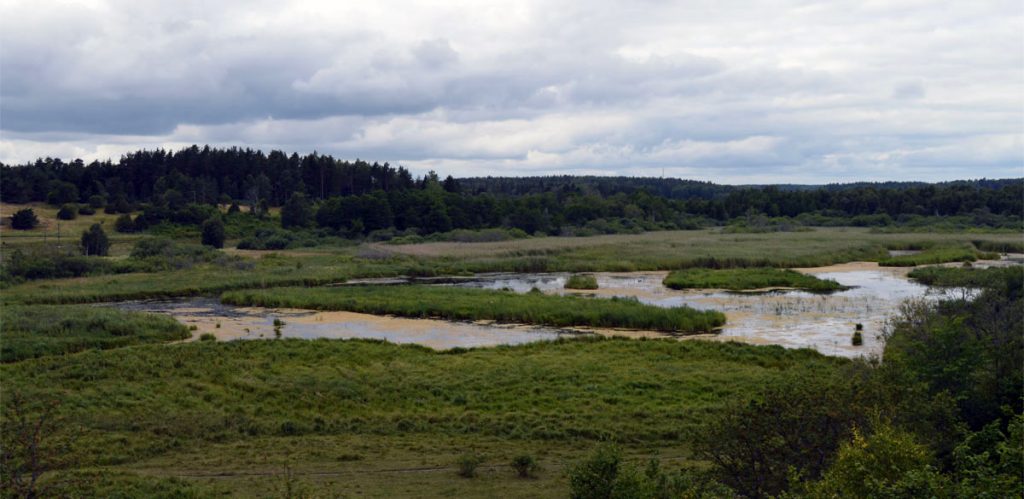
(722, 90)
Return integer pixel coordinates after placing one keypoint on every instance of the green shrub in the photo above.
(858, 339)
(95, 242)
(67, 212)
(468, 464)
(213, 232)
(207, 337)
(24, 219)
(525, 465)
(124, 224)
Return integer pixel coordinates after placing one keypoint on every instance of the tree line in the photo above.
(360, 197)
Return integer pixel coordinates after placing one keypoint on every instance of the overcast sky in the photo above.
(729, 91)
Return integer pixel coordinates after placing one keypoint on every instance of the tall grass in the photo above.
(478, 304)
(937, 255)
(164, 398)
(966, 277)
(746, 279)
(35, 331)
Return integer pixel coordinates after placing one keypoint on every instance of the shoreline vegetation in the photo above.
(463, 304)
(42, 330)
(749, 279)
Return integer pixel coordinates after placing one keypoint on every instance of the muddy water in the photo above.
(228, 322)
(790, 318)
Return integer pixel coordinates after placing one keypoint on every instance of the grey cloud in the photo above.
(609, 86)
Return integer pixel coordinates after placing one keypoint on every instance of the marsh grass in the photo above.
(55, 330)
(966, 277)
(466, 304)
(580, 281)
(937, 255)
(163, 398)
(747, 279)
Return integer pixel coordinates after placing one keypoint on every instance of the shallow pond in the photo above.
(789, 318)
(228, 322)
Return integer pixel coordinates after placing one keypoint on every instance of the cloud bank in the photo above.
(730, 91)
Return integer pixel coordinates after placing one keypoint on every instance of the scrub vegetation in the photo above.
(748, 279)
(36, 331)
(465, 304)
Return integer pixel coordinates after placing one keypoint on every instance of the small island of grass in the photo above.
(581, 281)
(465, 304)
(745, 279)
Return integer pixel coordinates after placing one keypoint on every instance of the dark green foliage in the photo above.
(38, 330)
(95, 242)
(858, 339)
(478, 304)
(524, 465)
(20, 266)
(468, 464)
(24, 219)
(580, 281)
(62, 193)
(67, 212)
(297, 212)
(794, 425)
(124, 224)
(972, 350)
(213, 232)
(86, 210)
(966, 277)
(207, 337)
(605, 474)
(595, 477)
(747, 278)
(97, 201)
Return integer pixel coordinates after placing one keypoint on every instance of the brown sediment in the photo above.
(853, 267)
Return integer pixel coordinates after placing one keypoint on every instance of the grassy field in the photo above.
(69, 231)
(747, 279)
(465, 304)
(35, 331)
(341, 414)
(649, 251)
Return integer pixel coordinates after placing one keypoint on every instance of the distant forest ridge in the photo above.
(355, 197)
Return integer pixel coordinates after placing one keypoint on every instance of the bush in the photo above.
(95, 242)
(67, 212)
(468, 464)
(524, 465)
(213, 232)
(86, 210)
(579, 281)
(97, 201)
(858, 339)
(888, 463)
(207, 337)
(124, 224)
(24, 219)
